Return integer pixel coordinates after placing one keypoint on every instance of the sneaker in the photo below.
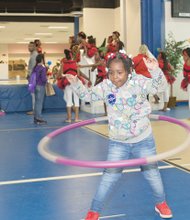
(30, 113)
(163, 210)
(39, 121)
(68, 121)
(92, 215)
(78, 120)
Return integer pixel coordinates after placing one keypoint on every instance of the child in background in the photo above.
(130, 132)
(91, 47)
(166, 67)
(100, 64)
(186, 73)
(69, 66)
(38, 45)
(115, 44)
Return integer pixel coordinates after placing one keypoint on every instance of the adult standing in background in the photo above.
(31, 64)
(41, 79)
(140, 67)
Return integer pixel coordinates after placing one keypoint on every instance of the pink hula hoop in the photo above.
(51, 156)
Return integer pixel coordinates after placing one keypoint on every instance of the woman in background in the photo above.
(140, 67)
(41, 80)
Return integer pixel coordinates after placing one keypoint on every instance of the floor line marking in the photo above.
(11, 182)
(111, 216)
(28, 129)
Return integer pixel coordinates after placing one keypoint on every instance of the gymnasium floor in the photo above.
(32, 188)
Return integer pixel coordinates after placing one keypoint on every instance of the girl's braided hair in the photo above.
(120, 57)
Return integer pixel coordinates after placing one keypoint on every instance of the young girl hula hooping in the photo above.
(130, 132)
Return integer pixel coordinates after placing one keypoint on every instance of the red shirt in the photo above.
(170, 79)
(69, 67)
(186, 71)
(91, 50)
(139, 65)
(102, 69)
(186, 80)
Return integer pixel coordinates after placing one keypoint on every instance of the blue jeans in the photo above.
(124, 151)
(39, 99)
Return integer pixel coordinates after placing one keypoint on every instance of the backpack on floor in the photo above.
(32, 82)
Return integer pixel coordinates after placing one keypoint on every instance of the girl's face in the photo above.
(114, 36)
(79, 39)
(185, 57)
(117, 73)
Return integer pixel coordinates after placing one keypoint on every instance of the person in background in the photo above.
(100, 64)
(166, 67)
(74, 47)
(55, 70)
(38, 44)
(82, 43)
(69, 66)
(82, 40)
(140, 67)
(41, 79)
(130, 131)
(92, 50)
(114, 43)
(185, 84)
(31, 64)
(88, 44)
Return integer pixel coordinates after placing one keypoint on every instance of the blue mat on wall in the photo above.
(16, 98)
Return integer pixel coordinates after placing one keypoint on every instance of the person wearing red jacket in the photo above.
(186, 72)
(114, 43)
(70, 66)
(140, 67)
(100, 64)
(166, 67)
(91, 47)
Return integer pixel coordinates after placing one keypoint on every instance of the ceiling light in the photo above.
(22, 42)
(77, 13)
(57, 27)
(43, 33)
(30, 38)
(50, 42)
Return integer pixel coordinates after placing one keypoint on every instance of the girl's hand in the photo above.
(150, 63)
(71, 78)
